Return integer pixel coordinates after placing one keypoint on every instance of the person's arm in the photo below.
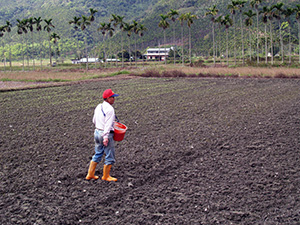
(109, 120)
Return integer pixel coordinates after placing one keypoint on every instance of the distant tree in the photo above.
(92, 13)
(218, 21)
(141, 29)
(213, 11)
(173, 14)
(182, 18)
(297, 11)
(76, 23)
(288, 12)
(136, 31)
(190, 20)
(48, 27)
(255, 4)
(124, 54)
(54, 38)
(164, 24)
(240, 5)
(128, 28)
(233, 6)
(2, 30)
(249, 23)
(84, 23)
(30, 23)
(7, 28)
(265, 11)
(38, 22)
(21, 29)
(270, 18)
(277, 14)
(118, 21)
(103, 30)
(227, 22)
(110, 33)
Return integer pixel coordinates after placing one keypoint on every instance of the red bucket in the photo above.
(120, 130)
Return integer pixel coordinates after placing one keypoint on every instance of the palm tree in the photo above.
(110, 32)
(288, 12)
(218, 20)
(128, 28)
(297, 11)
(102, 28)
(48, 27)
(227, 22)
(2, 30)
(265, 11)
(7, 28)
(173, 16)
(91, 19)
(118, 20)
(25, 22)
(30, 23)
(233, 6)
(135, 30)
(190, 20)
(249, 23)
(277, 14)
(240, 5)
(256, 3)
(92, 12)
(182, 18)
(54, 38)
(84, 23)
(20, 30)
(213, 11)
(164, 24)
(76, 22)
(38, 22)
(270, 18)
(141, 29)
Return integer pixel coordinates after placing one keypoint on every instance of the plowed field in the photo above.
(197, 151)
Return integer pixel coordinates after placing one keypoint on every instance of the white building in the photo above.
(158, 53)
(112, 60)
(84, 60)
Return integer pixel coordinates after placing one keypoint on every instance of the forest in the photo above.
(243, 31)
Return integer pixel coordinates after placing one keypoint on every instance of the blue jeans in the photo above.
(100, 149)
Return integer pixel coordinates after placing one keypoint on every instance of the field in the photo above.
(197, 151)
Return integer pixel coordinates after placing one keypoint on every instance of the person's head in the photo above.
(109, 96)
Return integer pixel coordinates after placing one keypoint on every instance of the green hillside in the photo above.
(146, 12)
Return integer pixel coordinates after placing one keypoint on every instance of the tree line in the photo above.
(265, 14)
(238, 12)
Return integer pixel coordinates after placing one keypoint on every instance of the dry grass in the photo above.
(240, 71)
(150, 71)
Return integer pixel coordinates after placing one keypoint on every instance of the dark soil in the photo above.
(197, 151)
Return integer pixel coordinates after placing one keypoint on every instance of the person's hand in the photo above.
(105, 141)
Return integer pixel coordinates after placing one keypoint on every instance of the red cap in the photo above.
(109, 93)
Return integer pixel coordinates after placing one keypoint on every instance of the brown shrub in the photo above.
(151, 73)
(173, 73)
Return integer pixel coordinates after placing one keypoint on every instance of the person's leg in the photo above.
(109, 160)
(99, 150)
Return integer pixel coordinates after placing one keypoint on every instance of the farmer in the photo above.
(104, 117)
